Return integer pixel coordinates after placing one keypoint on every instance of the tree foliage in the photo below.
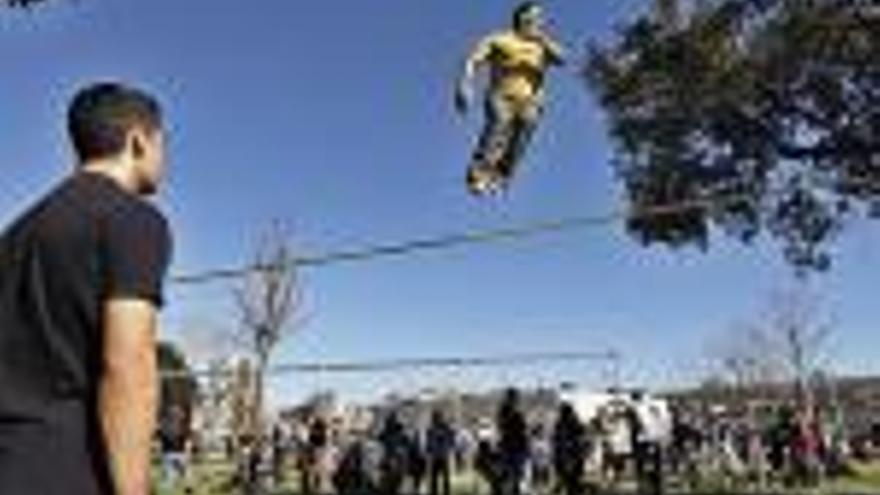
(762, 116)
(178, 388)
(17, 4)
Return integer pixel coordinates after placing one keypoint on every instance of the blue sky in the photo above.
(335, 116)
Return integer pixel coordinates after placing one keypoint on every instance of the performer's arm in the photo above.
(479, 56)
(555, 51)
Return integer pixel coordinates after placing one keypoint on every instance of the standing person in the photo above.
(542, 459)
(253, 462)
(417, 463)
(517, 59)
(174, 443)
(280, 446)
(465, 450)
(780, 437)
(513, 443)
(685, 446)
(569, 450)
(80, 287)
(350, 476)
(487, 460)
(805, 448)
(315, 477)
(441, 441)
(638, 447)
(653, 428)
(394, 455)
(619, 442)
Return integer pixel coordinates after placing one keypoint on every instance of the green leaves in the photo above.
(178, 387)
(21, 3)
(769, 106)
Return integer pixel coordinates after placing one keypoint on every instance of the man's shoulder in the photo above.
(144, 221)
(134, 211)
(512, 42)
(498, 39)
(136, 228)
(502, 37)
(148, 212)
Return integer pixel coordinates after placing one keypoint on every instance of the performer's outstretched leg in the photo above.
(484, 173)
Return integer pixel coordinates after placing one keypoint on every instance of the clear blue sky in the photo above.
(335, 116)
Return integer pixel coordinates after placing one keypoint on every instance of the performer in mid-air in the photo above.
(517, 60)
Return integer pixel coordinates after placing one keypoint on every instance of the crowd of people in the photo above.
(630, 441)
(783, 446)
(504, 456)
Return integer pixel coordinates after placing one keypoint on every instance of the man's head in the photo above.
(511, 397)
(528, 18)
(116, 124)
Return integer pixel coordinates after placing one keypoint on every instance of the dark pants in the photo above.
(440, 477)
(572, 484)
(649, 468)
(393, 472)
(62, 455)
(512, 470)
(570, 474)
(509, 127)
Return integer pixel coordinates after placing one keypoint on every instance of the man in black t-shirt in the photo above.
(80, 284)
(441, 443)
(513, 443)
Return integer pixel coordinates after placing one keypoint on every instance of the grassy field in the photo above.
(865, 479)
(213, 480)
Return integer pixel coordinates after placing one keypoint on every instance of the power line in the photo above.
(370, 252)
(391, 365)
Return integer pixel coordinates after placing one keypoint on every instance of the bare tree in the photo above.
(800, 333)
(270, 302)
(743, 359)
(784, 343)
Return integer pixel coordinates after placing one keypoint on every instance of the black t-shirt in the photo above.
(86, 242)
(514, 441)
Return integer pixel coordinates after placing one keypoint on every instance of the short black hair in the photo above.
(521, 9)
(102, 114)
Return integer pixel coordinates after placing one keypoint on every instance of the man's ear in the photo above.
(136, 144)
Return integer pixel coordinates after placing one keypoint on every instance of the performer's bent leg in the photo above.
(522, 129)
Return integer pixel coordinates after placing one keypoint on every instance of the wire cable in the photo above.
(392, 365)
(371, 252)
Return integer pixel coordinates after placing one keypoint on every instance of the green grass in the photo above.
(865, 479)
